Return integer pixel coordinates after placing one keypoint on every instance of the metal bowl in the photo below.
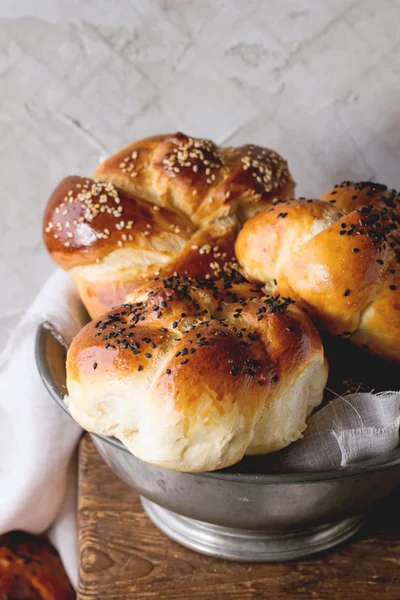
(234, 513)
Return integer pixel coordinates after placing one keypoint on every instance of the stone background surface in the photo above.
(318, 80)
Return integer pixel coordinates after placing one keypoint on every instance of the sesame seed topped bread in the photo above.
(161, 205)
(337, 257)
(193, 375)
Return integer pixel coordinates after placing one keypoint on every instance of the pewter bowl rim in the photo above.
(361, 469)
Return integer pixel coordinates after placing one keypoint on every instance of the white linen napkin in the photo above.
(38, 484)
(37, 440)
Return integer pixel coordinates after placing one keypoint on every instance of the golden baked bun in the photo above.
(30, 569)
(161, 205)
(337, 257)
(194, 375)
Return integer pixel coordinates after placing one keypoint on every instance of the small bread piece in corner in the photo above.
(30, 569)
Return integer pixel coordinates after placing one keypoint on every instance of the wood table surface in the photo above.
(123, 556)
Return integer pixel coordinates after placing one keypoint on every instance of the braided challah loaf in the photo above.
(337, 257)
(193, 375)
(161, 205)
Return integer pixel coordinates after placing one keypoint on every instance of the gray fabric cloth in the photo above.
(350, 429)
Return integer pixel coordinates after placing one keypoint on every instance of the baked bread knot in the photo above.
(338, 257)
(161, 205)
(30, 569)
(193, 375)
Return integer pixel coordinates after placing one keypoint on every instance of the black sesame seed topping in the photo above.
(184, 361)
(139, 367)
(380, 261)
(346, 292)
(168, 371)
(393, 287)
(147, 355)
(95, 365)
(355, 250)
(275, 378)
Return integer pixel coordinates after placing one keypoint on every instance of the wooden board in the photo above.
(124, 557)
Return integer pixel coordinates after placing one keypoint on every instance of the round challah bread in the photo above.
(30, 569)
(195, 374)
(337, 257)
(164, 204)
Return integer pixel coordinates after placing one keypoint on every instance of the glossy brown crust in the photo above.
(336, 276)
(247, 344)
(31, 570)
(380, 333)
(156, 200)
(197, 177)
(343, 273)
(268, 240)
(85, 220)
(350, 195)
(208, 255)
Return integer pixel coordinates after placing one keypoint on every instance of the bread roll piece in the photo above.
(194, 375)
(30, 569)
(163, 204)
(338, 257)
